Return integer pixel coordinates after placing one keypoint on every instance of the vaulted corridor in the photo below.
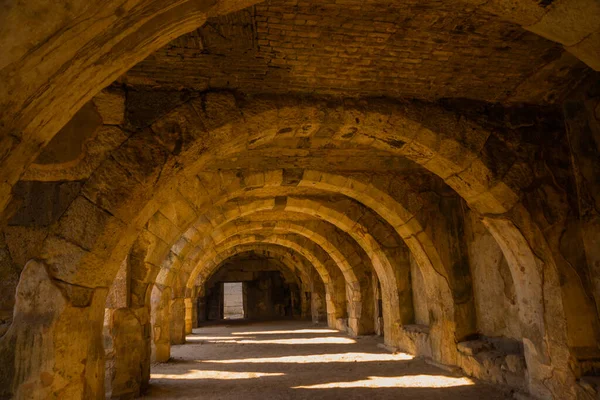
(300, 360)
(420, 174)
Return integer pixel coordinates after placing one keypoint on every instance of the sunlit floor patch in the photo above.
(317, 340)
(409, 381)
(223, 375)
(319, 358)
(298, 361)
(297, 331)
(203, 338)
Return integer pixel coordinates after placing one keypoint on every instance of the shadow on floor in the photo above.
(299, 360)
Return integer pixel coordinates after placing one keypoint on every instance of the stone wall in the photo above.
(419, 294)
(127, 352)
(582, 120)
(448, 269)
(495, 301)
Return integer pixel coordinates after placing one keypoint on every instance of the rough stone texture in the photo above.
(161, 328)
(426, 49)
(582, 113)
(64, 350)
(111, 107)
(177, 318)
(394, 192)
(419, 294)
(497, 311)
(127, 348)
(497, 360)
(373, 219)
(191, 315)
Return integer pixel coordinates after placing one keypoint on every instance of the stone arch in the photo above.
(283, 256)
(309, 276)
(395, 208)
(291, 270)
(209, 262)
(368, 243)
(402, 210)
(534, 278)
(98, 42)
(496, 197)
(360, 320)
(122, 197)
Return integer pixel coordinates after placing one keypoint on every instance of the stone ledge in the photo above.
(414, 339)
(497, 360)
(389, 348)
(449, 368)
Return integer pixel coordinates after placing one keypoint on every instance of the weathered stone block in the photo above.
(111, 106)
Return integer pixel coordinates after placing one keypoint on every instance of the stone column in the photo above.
(53, 349)
(191, 315)
(305, 299)
(161, 324)
(201, 314)
(177, 321)
(318, 305)
(127, 338)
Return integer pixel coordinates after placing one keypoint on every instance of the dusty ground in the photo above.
(298, 360)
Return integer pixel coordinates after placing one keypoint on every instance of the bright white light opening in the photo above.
(233, 300)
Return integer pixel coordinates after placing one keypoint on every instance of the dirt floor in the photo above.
(299, 360)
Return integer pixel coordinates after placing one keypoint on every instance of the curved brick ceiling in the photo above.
(426, 49)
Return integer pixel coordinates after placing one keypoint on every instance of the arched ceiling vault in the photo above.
(330, 183)
(159, 168)
(393, 273)
(295, 262)
(335, 289)
(140, 176)
(297, 266)
(342, 263)
(289, 271)
(85, 47)
(142, 180)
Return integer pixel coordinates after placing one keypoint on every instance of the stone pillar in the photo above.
(318, 310)
(53, 349)
(361, 307)
(201, 311)
(378, 306)
(127, 349)
(126, 337)
(305, 299)
(177, 321)
(191, 315)
(194, 313)
(161, 324)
